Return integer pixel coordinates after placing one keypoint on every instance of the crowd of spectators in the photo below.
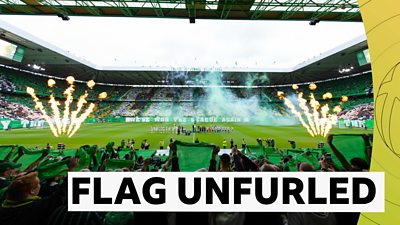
(15, 111)
(163, 94)
(26, 199)
(159, 109)
(6, 85)
(184, 102)
(130, 108)
(186, 94)
(359, 112)
(187, 109)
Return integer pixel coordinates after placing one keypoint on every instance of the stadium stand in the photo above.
(21, 80)
(6, 85)
(359, 112)
(16, 111)
(131, 102)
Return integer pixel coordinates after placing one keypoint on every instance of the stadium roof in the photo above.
(329, 10)
(61, 63)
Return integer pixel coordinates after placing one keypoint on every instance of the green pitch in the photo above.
(102, 133)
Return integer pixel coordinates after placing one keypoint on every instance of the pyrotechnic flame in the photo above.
(61, 125)
(318, 121)
(327, 95)
(312, 86)
(315, 106)
(82, 101)
(82, 118)
(39, 106)
(51, 83)
(337, 109)
(70, 80)
(103, 95)
(31, 91)
(69, 98)
(324, 120)
(292, 108)
(306, 111)
(91, 84)
(56, 112)
(295, 86)
(345, 98)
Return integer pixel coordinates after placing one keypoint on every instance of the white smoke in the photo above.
(220, 101)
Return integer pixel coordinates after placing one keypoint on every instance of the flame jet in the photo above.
(39, 105)
(60, 126)
(319, 121)
(69, 98)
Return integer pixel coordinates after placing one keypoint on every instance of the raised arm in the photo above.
(104, 158)
(338, 154)
(248, 164)
(8, 156)
(146, 164)
(94, 165)
(213, 161)
(35, 163)
(368, 147)
(236, 159)
(20, 154)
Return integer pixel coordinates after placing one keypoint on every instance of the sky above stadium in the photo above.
(135, 42)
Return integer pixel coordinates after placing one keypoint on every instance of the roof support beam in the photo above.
(227, 8)
(349, 16)
(260, 9)
(335, 10)
(157, 8)
(324, 11)
(191, 8)
(89, 6)
(57, 7)
(121, 6)
(20, 7)
(294, 7)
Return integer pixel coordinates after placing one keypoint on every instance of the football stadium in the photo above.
(186, 86)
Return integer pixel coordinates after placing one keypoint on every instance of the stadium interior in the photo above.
(178, 119)
(165, 93)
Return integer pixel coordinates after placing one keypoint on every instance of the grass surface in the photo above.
(102, 133)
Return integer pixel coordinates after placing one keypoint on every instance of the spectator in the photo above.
(356, 164)
(7, 170)
(243, 144)
(24, 206)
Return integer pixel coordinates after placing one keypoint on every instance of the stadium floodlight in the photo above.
(63, 16)
(314, 21)
(36, 67)
(346, 70)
